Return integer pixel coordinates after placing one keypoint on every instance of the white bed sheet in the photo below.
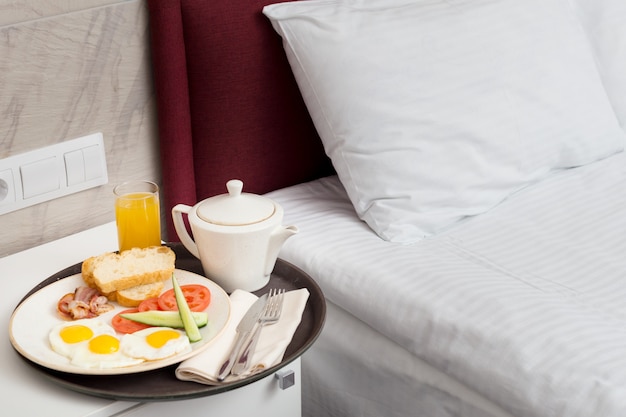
(352, 370)
(524, 305)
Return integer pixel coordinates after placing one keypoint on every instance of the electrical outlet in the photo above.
(7, 187)
(52, 172)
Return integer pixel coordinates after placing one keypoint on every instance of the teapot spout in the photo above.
(277, 238)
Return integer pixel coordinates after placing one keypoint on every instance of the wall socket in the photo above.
(52, 172)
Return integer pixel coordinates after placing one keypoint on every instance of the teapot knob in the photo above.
(234, 187)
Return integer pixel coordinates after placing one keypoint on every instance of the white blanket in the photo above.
(525, 304)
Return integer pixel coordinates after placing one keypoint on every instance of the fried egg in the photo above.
(155, 343)
(66, 337)
(102, 352)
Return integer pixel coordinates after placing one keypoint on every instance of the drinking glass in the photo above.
(137, 214)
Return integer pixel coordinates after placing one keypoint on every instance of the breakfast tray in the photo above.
(162, 384)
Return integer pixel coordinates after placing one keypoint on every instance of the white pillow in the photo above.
(605, 24)
(432, 111)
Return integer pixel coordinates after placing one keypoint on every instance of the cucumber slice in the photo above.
(190, 326)
(166, 318)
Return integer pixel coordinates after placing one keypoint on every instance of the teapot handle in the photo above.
(181, 230)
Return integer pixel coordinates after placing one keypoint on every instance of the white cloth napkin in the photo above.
(204, 367)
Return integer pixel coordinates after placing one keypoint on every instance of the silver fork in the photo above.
(270, 315)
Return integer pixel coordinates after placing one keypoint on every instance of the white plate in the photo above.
(36, 316)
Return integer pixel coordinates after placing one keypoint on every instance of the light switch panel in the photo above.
(94, 166)
(40, 177)
(52, 172)
(74, 167)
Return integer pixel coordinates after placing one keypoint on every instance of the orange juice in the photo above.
(138, 220)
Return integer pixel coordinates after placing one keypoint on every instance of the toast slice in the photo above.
(113, 272)
(133, 296)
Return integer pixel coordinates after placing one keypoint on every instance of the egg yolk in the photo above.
(104, 344)
(161, 337)
(76, 333)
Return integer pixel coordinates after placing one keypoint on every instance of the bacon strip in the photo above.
(100, 304)
(84, 302)
(63, 306)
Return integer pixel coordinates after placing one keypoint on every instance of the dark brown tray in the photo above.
(162, 384)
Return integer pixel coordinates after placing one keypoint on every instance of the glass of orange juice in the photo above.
(137, 214)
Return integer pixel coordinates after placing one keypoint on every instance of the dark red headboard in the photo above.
(228, 105)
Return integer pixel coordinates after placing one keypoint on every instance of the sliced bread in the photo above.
(111, 272)
(132, 297)
(87, 269)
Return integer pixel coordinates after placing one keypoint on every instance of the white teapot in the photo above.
(237, 236)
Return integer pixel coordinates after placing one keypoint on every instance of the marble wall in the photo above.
(69, 68)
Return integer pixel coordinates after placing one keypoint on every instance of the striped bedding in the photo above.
(525, 304)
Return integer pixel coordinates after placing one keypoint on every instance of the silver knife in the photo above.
(245, 353)
(244, 328)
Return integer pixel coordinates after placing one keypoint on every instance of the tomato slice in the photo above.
(149, 305)
(122, 325)
(198, 297)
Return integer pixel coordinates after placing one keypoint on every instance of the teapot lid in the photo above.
(235, 208)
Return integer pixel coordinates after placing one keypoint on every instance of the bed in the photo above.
(456, 170)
